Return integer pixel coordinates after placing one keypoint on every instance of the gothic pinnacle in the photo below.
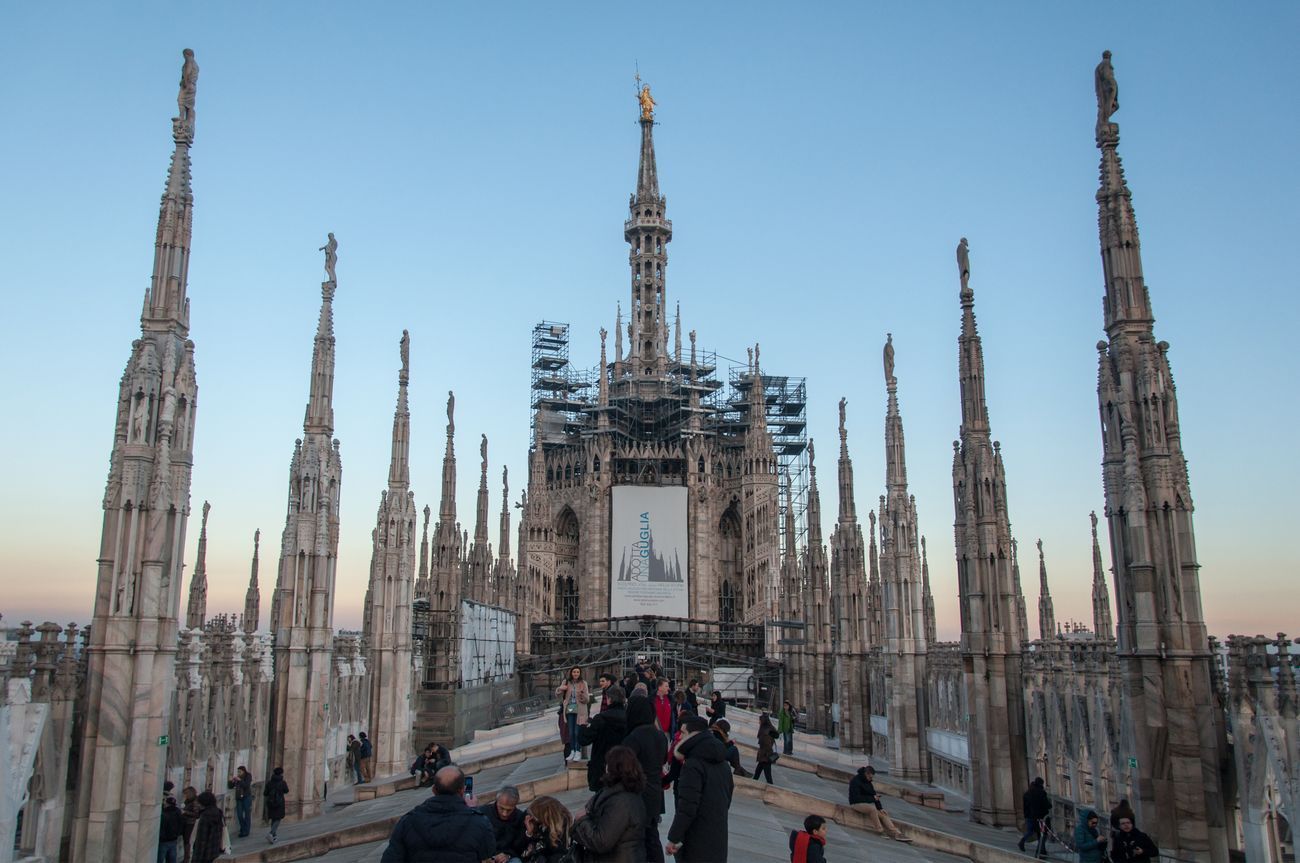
(1046, 611)
(320, 402)
(166, 306)
(196, 611)
(253, 598)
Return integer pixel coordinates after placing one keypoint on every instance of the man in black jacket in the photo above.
(699, 830)
(1038, 809)
(170, 832)
(651, 749)
(442, 829)
(864, 798)
(507, 821)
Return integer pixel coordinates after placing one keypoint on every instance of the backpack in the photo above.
(366, 749)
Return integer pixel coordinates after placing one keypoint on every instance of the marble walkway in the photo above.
(759, 825)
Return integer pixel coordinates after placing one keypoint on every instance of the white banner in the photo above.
(487, 643)
(648, 565)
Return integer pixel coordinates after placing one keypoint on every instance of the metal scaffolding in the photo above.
(785, 406)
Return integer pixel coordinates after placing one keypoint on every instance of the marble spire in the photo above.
(197, 608)
(445, 572)
(481, 510)
(1103, 625)
(1046, 611)
(1022, 614)
(990, 601)
(927, 599)
(1178, 732)
(503, 540)
(253, 598)
(130, 652)
(392, 576)
(904, 607)
(302, 607)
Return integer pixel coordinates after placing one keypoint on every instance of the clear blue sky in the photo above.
(820, 164)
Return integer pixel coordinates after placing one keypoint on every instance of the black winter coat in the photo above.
(863, 790)
(172, 826)
(274, 792)
(207, 836)
(703, 800)
(442, 829)
(508, 835)
(651, 749)
(614, 829)
(605, 731)
(1037, 803)
(1128, 844)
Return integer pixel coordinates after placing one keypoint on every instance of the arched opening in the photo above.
(730, 566)
(566, 565)
(727, 603)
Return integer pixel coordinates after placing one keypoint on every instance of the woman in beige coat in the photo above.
(574, 696)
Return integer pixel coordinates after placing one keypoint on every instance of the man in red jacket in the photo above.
(809, 845)
(663, 704)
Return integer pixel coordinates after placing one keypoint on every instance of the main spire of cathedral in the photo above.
(648, 233)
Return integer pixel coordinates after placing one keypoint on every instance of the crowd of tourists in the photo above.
(1122, 843)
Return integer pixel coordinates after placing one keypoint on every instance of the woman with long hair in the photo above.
(717, 708)
(574, 698)
(612, 827)
(766, 748)
(547, 825)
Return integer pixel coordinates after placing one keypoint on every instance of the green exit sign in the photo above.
(163, 740)
(1133, 764)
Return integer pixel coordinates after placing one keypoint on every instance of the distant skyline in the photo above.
(819, 166)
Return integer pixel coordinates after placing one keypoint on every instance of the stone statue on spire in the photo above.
(844, 434)
(1107, 90)
(185, 98)
(963, 263)
(451, 412)
(405, 347)
(889, 360)
(331, 250)
(482, 451)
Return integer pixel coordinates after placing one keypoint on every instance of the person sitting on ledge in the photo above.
(864, 798)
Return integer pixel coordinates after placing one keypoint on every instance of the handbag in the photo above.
(225, 839)
(776, 756)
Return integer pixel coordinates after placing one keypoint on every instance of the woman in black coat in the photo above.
(605, 731)
(612, 827)
(208, 831)
(274, 792)
(717, 708)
